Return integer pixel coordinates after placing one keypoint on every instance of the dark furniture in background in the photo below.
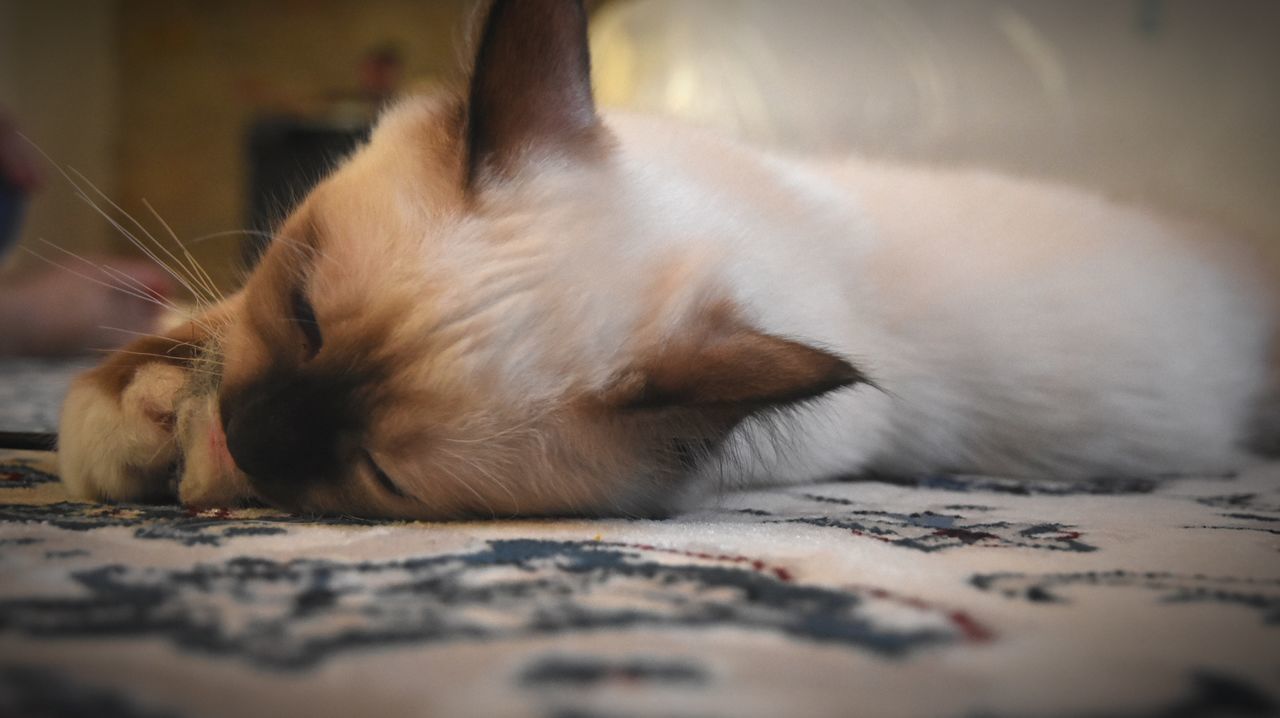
(12, 204)
(287, 157)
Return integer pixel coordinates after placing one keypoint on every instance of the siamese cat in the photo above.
(506, 304)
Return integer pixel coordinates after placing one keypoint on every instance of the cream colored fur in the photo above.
(506, 304)
(1009, 326)
(110, 447)
(1015, 327)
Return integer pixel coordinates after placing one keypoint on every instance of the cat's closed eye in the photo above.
(303, 315)
(383, 479)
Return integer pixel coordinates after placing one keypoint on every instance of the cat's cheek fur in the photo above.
(121, 447)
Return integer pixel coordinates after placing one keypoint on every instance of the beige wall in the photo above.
(58, 78)
(150, 98)
(1170, 102)
(195, 72)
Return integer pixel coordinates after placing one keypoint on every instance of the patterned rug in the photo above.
(947, 596)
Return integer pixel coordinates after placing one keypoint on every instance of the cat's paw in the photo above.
(116, 439)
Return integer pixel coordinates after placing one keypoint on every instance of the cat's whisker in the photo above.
(190, 281)
(304, 250)
(455, 480)
(124, 290)
(137, 285)
(227, 233)
(205, 280)
(157, 355)
(487, 474)
(492, 474)
(158, 336)
(152, 335)
(168, 442)
(134, 332)
(84, 196)
(176, 275)
(301, 249)
(271, 237)
(137, 294)
(166, 357)
(522, 426)
(204, 360)
(142, 247)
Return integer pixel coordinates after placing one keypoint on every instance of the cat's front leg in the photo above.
(118, 437)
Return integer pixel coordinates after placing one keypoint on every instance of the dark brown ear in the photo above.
(730, 367)
(531, 85)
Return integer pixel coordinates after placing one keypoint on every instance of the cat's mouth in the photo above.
(224, 465)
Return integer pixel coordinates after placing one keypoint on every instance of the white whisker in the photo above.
(205, 280)
(84, 196)
(187, 279)
(197, 347)
(484, 473)
(137, 285)
(227, 233)
(177, 276)
(113, 287)
(131, 291)
(167, 357)
(468, 487)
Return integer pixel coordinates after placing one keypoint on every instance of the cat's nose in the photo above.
(287, 436)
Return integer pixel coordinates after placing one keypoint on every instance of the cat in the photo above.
(509, 304)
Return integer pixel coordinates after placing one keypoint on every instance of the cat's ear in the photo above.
(530, 86)
(729, 367)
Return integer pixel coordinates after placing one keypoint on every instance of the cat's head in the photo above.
(472, 315)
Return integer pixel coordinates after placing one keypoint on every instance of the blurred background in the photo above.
(218, 113)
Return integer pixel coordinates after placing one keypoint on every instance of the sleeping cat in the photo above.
(508, 304)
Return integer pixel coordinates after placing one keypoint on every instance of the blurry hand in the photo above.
(18, 165)
(52, 312)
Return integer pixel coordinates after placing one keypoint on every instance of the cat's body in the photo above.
(1011, 326)
(514, 306)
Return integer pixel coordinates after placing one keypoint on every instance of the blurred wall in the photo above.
(58, 79)
(1174, 103)
(1171, 102)
(194, 73)
(151, 99)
